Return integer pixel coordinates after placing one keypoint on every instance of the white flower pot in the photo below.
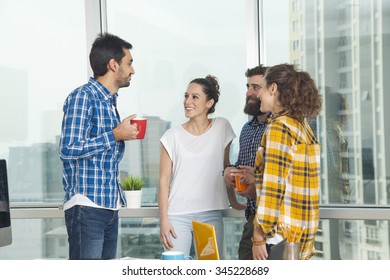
(133, 198)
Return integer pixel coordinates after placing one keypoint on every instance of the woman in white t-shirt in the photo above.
(193, 156)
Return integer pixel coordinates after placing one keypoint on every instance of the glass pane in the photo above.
(37, 239)
(174, 42)
(138, 238)
(343, 46)
(42, 59)
(352, 240)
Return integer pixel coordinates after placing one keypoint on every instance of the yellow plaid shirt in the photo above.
(287, 178)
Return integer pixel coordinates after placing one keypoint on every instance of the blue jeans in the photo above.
(183, 228)
(92, 232)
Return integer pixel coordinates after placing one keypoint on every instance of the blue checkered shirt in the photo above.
(250, 138)
(88, 148)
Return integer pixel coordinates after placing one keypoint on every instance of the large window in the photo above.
(343, 47)
(44, 56)
(351, 125)
(175, 41)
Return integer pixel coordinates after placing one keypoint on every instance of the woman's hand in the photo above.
(166, 231)
(259, 252)
(229, 179)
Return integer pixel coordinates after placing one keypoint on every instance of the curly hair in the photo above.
(210, 88)
(298, 94)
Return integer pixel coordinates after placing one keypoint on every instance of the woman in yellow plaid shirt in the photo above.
(287, 167)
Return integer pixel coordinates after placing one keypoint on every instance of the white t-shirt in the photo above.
(197, 183)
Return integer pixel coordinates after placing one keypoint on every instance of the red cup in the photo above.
(141, 126)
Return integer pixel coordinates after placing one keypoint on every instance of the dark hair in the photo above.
(258, 70)
(298, 94)
(106, 47)
(210, 88)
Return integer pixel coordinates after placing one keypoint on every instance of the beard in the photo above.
(252, 106)
(123, 80)
(123, 83)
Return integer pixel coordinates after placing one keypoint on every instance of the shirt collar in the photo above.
(105, 93)
(271, 118)
(254, 120)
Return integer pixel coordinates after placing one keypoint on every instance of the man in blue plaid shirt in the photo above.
(91, 147)
(250, 138)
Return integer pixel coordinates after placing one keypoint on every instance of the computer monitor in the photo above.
(5, 217)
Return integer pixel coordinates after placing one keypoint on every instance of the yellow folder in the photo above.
(205, 241)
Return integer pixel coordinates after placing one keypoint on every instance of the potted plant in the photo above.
(132, 186)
